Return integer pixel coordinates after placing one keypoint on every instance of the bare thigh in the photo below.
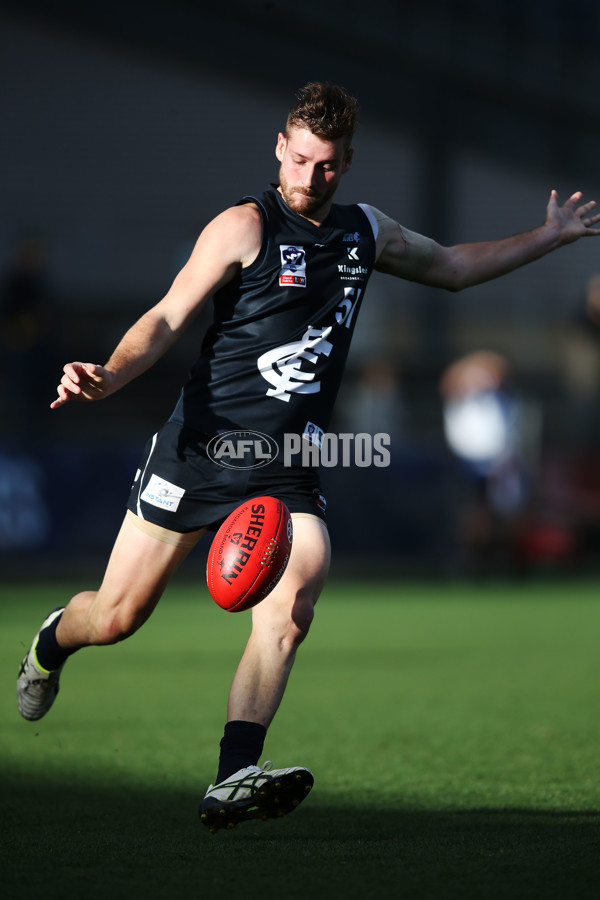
(138, 571)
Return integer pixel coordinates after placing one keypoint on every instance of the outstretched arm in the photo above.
(418, 258)
(228, 243)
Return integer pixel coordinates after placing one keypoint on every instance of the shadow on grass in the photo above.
(95, 841)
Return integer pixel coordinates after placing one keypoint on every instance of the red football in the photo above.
(249, 553)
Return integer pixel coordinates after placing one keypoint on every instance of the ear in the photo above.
(280, 148)
(347, 160)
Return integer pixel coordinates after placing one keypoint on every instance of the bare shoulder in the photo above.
(246, 215)
(237, 230)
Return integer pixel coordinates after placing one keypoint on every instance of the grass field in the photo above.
(454, 733)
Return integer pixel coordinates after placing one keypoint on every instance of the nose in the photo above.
(309, 174)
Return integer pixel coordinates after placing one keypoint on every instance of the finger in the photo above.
(590, 220)
(573, 199)
(93, 372)
(90, 392)
(70, 386)
(62, 398)
(586, 208)
(90, 372)
(71, 370)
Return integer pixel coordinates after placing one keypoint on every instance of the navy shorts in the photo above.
(179, 487)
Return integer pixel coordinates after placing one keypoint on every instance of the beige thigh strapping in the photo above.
(175, 538)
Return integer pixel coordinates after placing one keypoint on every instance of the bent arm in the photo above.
(417, 258)
(230, 242)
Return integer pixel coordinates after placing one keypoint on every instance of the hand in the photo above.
(82, 381)
(572, 221)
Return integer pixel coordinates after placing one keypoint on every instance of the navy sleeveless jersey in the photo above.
(273, 359)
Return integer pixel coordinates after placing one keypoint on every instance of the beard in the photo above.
(304, 201)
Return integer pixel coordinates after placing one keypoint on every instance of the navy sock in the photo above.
(241, 746)
(48, 651)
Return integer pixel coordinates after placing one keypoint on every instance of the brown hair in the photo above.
(327, 110)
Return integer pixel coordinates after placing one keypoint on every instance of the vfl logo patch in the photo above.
(293, 266)
(161, 493)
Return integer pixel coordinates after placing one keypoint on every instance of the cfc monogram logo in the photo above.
(281, 367)
(292, 368)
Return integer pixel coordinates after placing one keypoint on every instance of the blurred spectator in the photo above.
(26, 320)
(486, 429)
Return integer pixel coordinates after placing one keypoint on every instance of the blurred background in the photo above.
(125, 127)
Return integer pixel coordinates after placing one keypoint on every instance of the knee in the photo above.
(303, 613)
(297, 622)
(109, 626)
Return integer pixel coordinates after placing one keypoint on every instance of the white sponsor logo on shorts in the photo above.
(161, 493)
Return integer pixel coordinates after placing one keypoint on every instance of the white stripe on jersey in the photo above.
(372, 219)
(139, 508)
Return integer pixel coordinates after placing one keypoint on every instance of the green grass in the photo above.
(454, 733)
